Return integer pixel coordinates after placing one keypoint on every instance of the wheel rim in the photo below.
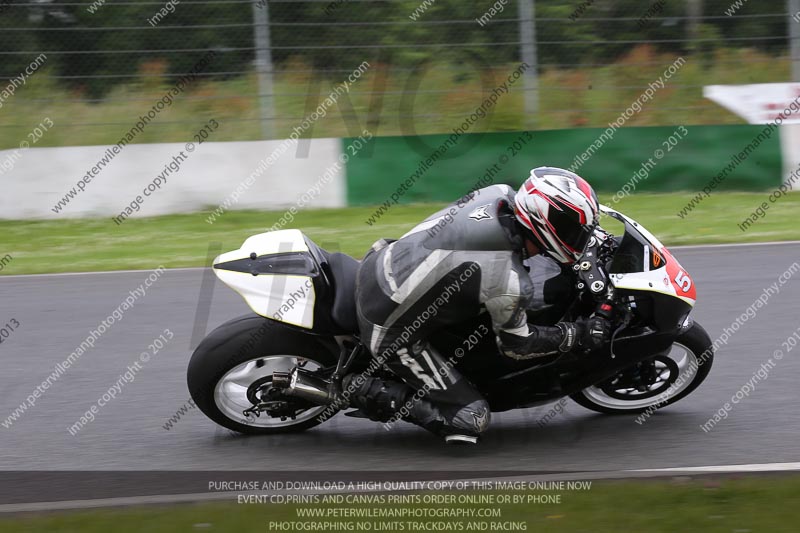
(681, 362)
(231, 391)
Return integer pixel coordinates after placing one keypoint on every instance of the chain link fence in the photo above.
(430, 64)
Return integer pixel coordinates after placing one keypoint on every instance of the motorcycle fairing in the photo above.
(274, 272)
(669, 278)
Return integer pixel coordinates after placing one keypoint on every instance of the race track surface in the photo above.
(56, 312)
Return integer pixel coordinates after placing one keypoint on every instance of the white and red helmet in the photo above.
(560, 209)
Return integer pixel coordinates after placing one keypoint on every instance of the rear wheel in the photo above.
(231, 372)
(657, 382)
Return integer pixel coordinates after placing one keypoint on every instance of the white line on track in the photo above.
(731, 245)
(722, 469)
(191, 269)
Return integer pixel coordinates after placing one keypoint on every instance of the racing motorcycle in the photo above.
(280, 368)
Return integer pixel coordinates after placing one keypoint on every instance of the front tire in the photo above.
(243, 353)
(692, 349)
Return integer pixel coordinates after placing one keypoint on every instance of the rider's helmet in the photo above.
(559, 209)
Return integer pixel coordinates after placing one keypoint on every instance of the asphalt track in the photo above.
(56, 312)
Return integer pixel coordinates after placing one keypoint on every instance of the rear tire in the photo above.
(697, 345)
(244, 340)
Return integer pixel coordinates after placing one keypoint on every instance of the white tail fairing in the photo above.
(288, 294)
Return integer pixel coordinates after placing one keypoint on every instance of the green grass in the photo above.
(663, 506)
(184, 240)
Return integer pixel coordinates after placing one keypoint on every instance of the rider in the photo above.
(459, 261)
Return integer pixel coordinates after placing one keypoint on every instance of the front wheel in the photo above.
(231, 372)
(657, 382)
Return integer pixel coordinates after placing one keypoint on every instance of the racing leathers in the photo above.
(458, 262)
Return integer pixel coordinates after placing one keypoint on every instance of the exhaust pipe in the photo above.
(302, 384)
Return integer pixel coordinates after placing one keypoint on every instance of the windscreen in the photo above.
(634, 253)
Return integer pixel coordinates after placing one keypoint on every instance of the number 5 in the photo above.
(683, 281)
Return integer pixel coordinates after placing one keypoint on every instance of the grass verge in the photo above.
(654, 506)
(183, 240)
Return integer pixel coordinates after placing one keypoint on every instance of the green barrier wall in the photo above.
(378, 170)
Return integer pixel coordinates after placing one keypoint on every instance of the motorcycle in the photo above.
(280, 368)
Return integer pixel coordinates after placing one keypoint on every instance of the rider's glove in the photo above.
(543, 340)
(592, 333)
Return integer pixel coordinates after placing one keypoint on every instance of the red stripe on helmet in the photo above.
(547, 199)
(575, 208)
(529, 186)
(521, 214)
(585, 188)
(532, 227)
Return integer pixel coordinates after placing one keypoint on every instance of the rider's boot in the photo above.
(377, 399)
(382, 400)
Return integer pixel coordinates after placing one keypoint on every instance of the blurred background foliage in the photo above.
(105, 67)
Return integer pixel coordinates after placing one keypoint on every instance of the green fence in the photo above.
(687, 163)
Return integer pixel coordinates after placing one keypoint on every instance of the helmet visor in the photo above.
(570, 231)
